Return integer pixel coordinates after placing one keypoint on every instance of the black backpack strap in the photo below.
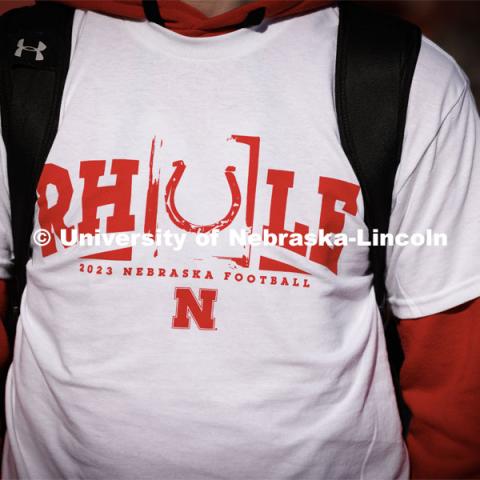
(376, 58)
(35, 45)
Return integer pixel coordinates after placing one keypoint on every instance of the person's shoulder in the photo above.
(438, 80)
(440, 107)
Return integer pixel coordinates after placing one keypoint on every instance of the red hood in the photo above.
(187, 20)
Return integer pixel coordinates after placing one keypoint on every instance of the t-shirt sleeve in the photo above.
(6, 249)
(437, 190)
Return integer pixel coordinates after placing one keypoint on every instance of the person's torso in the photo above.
(191, 361)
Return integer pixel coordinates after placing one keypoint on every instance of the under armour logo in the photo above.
(21, 47)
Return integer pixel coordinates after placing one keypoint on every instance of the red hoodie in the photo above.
(187, 20)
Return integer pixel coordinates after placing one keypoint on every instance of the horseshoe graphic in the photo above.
(184, 224)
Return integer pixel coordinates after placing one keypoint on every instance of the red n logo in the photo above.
(202, 312)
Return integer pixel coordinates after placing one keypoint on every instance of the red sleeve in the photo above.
(440, 381)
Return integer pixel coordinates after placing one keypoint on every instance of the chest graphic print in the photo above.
(333, 198)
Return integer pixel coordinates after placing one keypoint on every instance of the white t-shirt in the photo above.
(203, 362)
